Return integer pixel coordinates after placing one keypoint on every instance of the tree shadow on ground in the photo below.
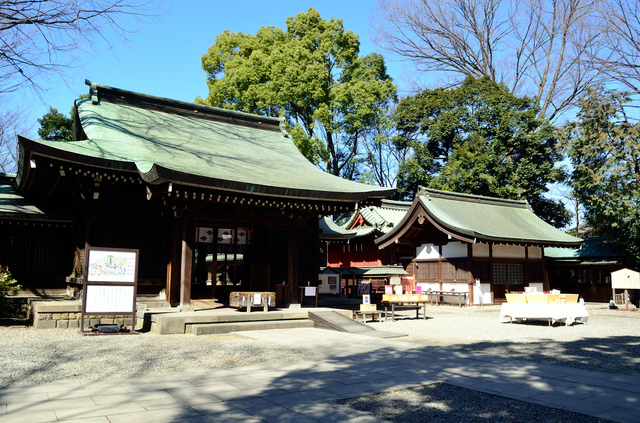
(615, 354)
(443, 403)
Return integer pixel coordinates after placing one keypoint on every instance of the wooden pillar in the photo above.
(470, 275)
(293, 263)
(260, 273)
(186, 264)
(173, 265)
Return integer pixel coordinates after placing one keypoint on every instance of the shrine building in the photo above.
(215, 200)
(480, 245)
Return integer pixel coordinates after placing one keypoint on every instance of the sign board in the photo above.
(625, 279)
(112, 266)
(109, 299)
(111, 282)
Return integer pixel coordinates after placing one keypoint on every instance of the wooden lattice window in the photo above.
(515, 272)
(500, 273)
(511, 273)
(449, 271)
(462, 270)
(428, 271)
(457, 270)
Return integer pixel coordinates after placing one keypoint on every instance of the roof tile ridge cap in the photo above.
(481, 199)
(387, 202)
(396, 205)
(187, 106)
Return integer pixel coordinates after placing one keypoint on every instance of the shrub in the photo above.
(7, 284)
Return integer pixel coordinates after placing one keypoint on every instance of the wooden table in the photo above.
(439, 294)
(407, 300)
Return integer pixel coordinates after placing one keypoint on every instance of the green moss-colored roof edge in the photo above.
(99, 92)
(330, 231)
(366, 271)
(594, 248)
(466, 234)
(15, 207)
(159, 174)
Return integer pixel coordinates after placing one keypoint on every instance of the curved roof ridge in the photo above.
(99, 92)
(472, 218)
(450, 195)
(395, 204)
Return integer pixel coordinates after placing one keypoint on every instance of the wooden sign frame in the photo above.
(110, 284)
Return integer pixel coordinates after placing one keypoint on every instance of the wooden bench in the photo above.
(374, 315)
(252, 299)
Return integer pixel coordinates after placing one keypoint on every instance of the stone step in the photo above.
(220, 328)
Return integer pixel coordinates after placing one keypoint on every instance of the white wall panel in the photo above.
(535, 252)
(454, 250)
(508, 251)
(427, 251)
(481, 250)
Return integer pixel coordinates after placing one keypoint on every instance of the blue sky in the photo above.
(163, 58)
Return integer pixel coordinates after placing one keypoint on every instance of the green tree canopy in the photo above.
(603, 145)
(54, 126)
(312, 75)
(479, 139)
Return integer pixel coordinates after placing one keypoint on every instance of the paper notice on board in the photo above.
(109, 299)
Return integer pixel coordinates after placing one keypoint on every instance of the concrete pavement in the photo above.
(303, 391)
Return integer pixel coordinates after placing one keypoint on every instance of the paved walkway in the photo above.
(302, 392)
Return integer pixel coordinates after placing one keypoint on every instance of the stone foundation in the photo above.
(68, 315)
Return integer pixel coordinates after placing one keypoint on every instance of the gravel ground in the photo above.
(33, 356)
(610, 342)
(442, 403)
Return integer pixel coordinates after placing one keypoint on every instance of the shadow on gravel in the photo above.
(612, 354)
(407, 375)
(444, 403)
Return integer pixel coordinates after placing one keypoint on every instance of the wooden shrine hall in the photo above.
(480, 245)
(215, 200)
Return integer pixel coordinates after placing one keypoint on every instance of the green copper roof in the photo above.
(190, 144)
(329, 230)
(482, 219)
(592, 248)
(383, 217)
(15, 206)
(366, 271)
(378, 219)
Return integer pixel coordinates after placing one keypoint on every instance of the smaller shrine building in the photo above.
(468, 243)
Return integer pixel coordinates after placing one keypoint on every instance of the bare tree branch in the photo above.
(540, 48)
(623, 41)
(42, 38)
(12, 123)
